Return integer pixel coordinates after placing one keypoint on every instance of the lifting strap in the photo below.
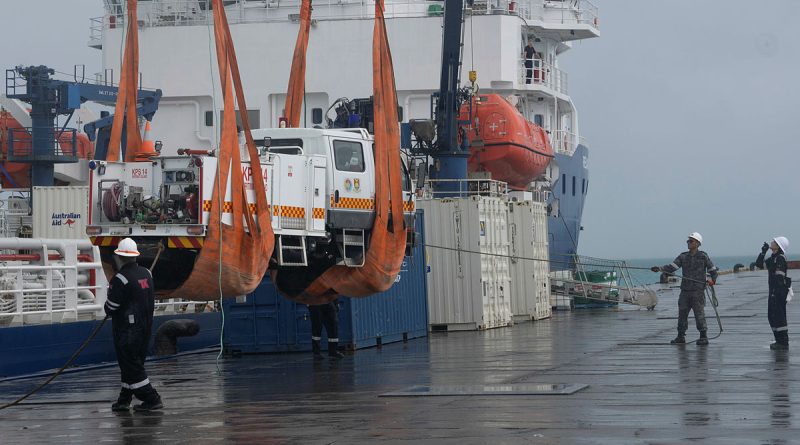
(126, 99)
(232, 261)
(297, 76)
(387, 247)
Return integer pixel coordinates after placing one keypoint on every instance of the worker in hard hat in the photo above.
(779, 288)
(696, 264)
(130, 305)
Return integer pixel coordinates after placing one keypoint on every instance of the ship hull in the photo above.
(36, 348)
(566, 204)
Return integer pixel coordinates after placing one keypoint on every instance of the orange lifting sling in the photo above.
(232, 261)
(297, 75)
(126, 99)
(387, 247)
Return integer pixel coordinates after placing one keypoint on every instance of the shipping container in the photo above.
(60, 212)
(530, 268)
(264, 321)
(467, 251)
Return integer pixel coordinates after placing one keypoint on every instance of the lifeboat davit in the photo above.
(504, 143)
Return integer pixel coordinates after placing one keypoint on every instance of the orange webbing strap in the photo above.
(297, 76)
(126, 99)
(387, 246)
(244, 256)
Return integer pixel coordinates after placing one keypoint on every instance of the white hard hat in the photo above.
(127, 247)
(782, 242)
(696, 236)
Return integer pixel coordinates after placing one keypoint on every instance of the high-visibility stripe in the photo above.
(674, 265)
(293, 212)
(318, 213)
(185, 242)
(122, 278)
(112, 304)
(782, 328)
(780, 272)
(144, 382)
(227, 207)
(105, 241)
(316, 338)
(353, 203)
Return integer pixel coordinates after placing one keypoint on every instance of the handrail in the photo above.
(542, 73)
(466, 188)
(195, 12)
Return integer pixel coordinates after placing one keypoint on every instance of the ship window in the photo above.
(573, 186)
(564, 184)
(538, 119)
(583, 186)
(349, 156)
(209, 118)
(316, 115)
(253, 116)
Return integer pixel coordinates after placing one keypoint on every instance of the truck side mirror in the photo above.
(422, 173)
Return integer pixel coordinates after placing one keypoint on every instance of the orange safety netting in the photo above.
(297, 75)
(126, 99)
(387, 247)
(232, 261)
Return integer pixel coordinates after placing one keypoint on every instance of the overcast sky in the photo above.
(690, 110)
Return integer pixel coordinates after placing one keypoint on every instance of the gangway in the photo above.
(604, 281)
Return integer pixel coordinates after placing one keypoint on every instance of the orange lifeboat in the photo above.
(19, 172)
(504, 143)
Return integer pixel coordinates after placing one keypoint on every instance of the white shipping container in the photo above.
(530, 280)
(467, 290)
(60, 212)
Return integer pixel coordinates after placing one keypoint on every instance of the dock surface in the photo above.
(517, 385)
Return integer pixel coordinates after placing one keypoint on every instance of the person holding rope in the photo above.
(779, 286)
(695, 264)
(130, 304)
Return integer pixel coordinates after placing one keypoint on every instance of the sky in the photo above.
(689, 109)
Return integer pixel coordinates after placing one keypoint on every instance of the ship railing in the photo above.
(50, 281)
(542, 73)
(564, 141)
(180, 306)
(197, 12)
(463, 188)
(602, 280)
(566, 12)
(96, 32)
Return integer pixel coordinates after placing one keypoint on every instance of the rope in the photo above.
(57, 373)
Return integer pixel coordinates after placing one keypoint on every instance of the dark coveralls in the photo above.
(529, 53)
(776, 309)
(693, 287)
(130, 305)
(325, 315)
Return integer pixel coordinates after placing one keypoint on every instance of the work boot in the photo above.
(703, 340)
(679, 340)
(316, 349)
(150, 405)
(333, 350)
(778, 346)
(123, 402)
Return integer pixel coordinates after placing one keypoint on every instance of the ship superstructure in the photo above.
(176, 41)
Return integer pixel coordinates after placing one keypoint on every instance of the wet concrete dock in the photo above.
(641, 390)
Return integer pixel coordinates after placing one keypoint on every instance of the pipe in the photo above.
(188, 151)
(85, 258)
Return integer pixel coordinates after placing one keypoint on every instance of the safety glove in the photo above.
(764, 248)
(655, 269)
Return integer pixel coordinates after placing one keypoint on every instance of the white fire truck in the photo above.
(320, 185)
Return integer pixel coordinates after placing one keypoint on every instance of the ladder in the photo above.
(353, 247)
(292, 251)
